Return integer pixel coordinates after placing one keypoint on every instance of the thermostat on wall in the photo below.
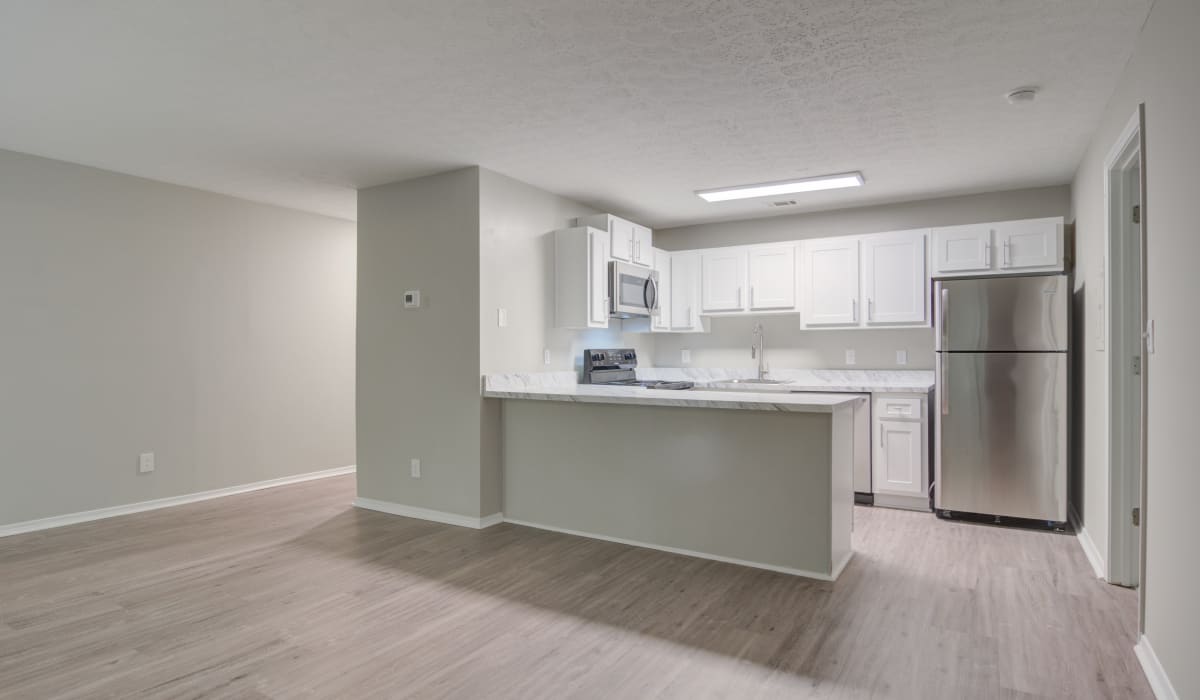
(412, 298)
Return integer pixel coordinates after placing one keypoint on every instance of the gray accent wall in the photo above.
(140, 316)
(728, 345)
(1160, 74)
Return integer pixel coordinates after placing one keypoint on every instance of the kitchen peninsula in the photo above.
(759, 479)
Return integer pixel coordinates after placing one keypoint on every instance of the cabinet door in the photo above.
(597, 280)
(643, 251)
(722, 278)
(895, 286)
(661, 321)
(772, 278)
(962, 248)
(621, 245)
(1033, 243)
(897, 462)
(829, 279)
(685, 289)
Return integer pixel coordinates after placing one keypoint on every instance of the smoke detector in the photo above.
(1022, 95)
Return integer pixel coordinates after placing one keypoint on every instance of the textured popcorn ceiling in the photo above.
(627, 105)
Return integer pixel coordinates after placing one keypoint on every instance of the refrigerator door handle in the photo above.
(943, 384)
(942, 311)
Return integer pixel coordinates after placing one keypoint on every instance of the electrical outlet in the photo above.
(850, 359)
(416, 469)
(145, 462)
(546, 356)
(685, 356)
(902, 357)
(502, 317)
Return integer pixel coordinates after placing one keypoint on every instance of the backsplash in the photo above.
(728, 345)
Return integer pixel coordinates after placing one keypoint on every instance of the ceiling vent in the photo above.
(782, 203)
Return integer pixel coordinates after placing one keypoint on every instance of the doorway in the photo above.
(1127, 367)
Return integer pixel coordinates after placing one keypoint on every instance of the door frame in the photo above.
(1125, 315)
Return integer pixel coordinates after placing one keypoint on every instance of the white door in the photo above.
(773, 278)
(895, 286)
(1033, 243)
(621, 247)
(722, 279)
(898, 458)
(829, 279)
(643, 251)
(685, 291)
(597, 280)
(661, 321)
(962, 248)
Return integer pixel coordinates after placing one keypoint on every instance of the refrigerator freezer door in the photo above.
(1002, 314)
(1001, 434)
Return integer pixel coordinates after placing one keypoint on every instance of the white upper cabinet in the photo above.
(628, 242)
(963, 249)
(772, 278)
(723, 279)
(895, 284)
(829, 282)
(581, 278)
(1029, 245)
(661, 321)
(685, 293)
(642, 239)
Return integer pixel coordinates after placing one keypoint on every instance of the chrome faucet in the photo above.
(756, 351)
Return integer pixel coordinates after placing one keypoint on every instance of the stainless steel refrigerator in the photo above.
(1000, 429)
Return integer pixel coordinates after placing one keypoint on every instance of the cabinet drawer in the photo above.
(897, 409)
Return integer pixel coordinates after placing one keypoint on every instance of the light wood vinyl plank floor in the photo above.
(292, 593)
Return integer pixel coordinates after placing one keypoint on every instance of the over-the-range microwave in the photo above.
(632, 290)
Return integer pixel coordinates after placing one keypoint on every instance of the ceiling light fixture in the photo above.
(771, 189)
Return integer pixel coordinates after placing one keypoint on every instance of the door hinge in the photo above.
(1137, 365)
(1137, 213)
(1137, 517)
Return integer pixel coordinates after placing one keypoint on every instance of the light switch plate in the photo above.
(685, 356)
(415, 469)
(546, 356)
(145, 462)
(412, 299)
(502, 317)
(902, 357)
(850, 358)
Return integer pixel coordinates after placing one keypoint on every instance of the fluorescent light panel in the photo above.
(771, 189)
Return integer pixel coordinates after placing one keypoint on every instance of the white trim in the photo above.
(1155, 673)
(837, 570)
(1085, 542)
(437, 516)
(895, 500)
(1123, 474)
(129, 509)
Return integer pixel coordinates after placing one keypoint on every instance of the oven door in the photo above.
(633, 290)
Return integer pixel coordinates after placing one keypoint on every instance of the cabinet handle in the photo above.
(739, 298)
(881, 445)
(1007, 253)
(987, 254)
(870, 309)
(854, 309)
(752, 296)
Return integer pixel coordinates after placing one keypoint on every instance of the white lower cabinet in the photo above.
(900, 455)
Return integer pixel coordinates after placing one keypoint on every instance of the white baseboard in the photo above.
(437, 516)
(887, 500)
(691, 553)
(1085, 542)
(1159, 682)
(129, 509)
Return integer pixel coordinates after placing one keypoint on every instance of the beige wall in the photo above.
(418, 384)
(1161, 75)
(788, 346)
(139, 316)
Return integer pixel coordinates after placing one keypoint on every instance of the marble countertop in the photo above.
(562, 386)
(862, 381)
